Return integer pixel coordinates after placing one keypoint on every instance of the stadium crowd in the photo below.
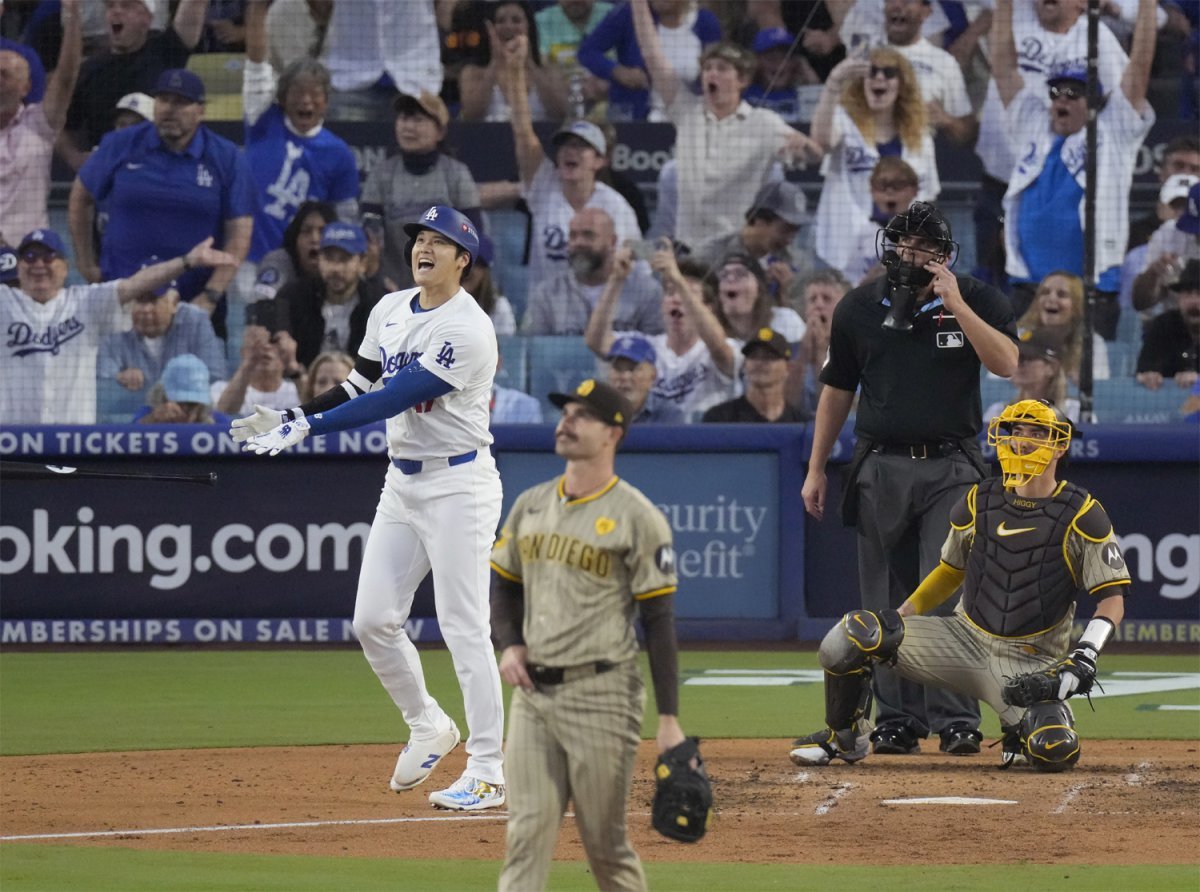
(132, 131)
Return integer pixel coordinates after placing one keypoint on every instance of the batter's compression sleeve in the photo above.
(411, 385)
(366, 372)
(658, 622)
(508, 612)
(936, 587)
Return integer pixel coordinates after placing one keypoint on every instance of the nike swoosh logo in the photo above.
(132, 166)
(390, 324)
(1002, 530)
(1050, 746)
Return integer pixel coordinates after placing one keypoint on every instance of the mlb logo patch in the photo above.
(950, 339)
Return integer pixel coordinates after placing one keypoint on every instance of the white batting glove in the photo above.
(263, 420)
(275, 441)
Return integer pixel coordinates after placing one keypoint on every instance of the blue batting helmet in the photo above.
(450, 223)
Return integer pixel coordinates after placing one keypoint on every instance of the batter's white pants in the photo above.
(444, 519)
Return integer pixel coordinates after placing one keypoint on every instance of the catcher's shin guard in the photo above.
(1048, 736)
(860, 637)
(847, 698)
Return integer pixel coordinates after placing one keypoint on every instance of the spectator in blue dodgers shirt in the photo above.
(766, 358)
(772, 225)
(297, 257)
(683, 29)
(164, 186)
(697, 365)
(292, 156)
(632, 371)
(725, 149)
(563, 304)
(53, 332)
(163, 328)
(8, 266)
(400, 188)
(181, 396)
(328, 312)
(1044, 204)
(28, 129)
(555, 188)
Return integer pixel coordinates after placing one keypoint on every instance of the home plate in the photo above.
(948, 800)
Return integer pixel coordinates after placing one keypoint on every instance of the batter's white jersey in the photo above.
(454, 341)
(48, 361)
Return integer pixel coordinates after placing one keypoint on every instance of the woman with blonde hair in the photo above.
(870, 108)
(327, 371)
(1056, 315)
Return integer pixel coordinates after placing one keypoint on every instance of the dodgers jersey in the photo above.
(457, 343)
(48, 361)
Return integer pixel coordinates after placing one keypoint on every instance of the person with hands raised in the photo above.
(484, 88)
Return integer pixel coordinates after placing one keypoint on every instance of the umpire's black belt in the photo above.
(551, 675)
(931, 449)
(409, 468)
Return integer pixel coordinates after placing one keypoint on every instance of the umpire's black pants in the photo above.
(903, 518)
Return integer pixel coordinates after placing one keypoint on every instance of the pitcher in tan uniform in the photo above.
(578, 559)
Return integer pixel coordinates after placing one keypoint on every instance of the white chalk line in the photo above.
(236, 828)
(832, 799)
(1068, 798)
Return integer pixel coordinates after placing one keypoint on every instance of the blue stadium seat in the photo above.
(1129, 328)
(995, 390)
(514, 362)
(1122, 358)
(1124, 401)
(558, 363)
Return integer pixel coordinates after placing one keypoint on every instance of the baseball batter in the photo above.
(577, 559)
(1023, 546)
(425, 364)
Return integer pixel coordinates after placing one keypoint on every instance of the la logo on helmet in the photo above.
(430, 214)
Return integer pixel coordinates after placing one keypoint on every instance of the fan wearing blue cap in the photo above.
(166, 186)
(777, 74)
(329, 311)
(632, 372)
(181, 396)
(1044, 204)
(427, 365)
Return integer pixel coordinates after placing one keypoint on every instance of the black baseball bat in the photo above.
(22, 470)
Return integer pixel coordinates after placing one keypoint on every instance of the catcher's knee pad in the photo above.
(862, 636)
(1048, 736)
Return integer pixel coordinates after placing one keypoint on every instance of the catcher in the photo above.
(1023, 546)
(578, 559)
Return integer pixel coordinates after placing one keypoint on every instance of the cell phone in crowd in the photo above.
(372, 225)
(266, 313)
(642, 249)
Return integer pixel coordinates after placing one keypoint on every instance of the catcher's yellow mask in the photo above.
(1043, 430)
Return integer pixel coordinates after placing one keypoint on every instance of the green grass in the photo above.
(166, 699)
(54, 868)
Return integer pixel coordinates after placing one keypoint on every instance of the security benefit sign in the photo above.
(274, 538)
(723, 509)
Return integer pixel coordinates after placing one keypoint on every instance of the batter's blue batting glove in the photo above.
(275, 441)
(263, 420)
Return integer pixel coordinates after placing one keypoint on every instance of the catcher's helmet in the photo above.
(453, 224)
(1048, 737)
(1019, 467)
(921, 220)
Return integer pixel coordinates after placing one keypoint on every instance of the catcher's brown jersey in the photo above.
(583, 563)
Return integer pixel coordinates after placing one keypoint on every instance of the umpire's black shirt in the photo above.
(920, 385)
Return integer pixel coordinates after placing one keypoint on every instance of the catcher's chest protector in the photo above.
(1018, 581)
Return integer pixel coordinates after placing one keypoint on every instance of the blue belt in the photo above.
(408, 468)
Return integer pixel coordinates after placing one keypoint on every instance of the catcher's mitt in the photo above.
(682, 796)
(1072, 675)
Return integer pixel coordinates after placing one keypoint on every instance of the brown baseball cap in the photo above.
(426, 103)
(608, 404)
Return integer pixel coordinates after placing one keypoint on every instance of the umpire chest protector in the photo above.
(1018, 580)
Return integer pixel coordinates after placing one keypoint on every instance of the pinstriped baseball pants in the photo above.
(951, 652)
(574, 741)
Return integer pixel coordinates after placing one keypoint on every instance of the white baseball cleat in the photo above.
(822, 747)
(469, 794)
(419, 758)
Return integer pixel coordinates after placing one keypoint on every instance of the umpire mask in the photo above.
(906, 278)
